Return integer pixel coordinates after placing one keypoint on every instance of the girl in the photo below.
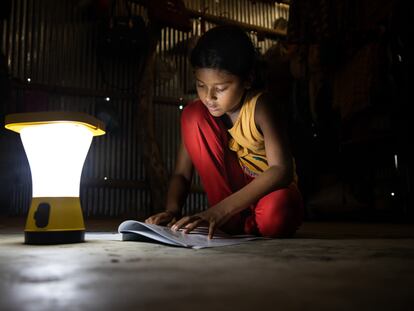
(235, 141)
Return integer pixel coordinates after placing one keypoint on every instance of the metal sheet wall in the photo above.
(246, 11)
(56, 46)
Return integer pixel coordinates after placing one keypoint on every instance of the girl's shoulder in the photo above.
(259, 98)
(269, 103)
(251, 100)
(252, 96)
(267, 110)
(263, 102)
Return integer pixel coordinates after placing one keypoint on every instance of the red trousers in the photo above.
(277, 214)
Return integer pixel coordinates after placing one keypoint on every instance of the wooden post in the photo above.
(157, 175)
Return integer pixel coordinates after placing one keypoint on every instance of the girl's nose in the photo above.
(211, 95)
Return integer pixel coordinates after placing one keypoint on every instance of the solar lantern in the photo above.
(56, 144)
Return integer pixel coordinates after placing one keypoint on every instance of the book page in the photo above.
(198, 238)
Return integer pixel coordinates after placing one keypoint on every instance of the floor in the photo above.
(327, 266)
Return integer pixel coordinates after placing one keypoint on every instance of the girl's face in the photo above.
(220, 91)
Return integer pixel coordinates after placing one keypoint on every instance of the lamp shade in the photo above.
(56, 153)
(56, 144)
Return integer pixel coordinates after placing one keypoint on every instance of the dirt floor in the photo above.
(327, 266)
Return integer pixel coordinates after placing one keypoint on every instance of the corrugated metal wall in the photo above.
(246, 11)
(57, 47)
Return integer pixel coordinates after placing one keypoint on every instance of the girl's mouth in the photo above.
(212, 108)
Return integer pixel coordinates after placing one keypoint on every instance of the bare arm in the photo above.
(180, 181)
(178, 189)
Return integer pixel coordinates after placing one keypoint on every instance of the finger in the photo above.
(149, 220)
(157, 220)
(193, 219)
(183, 222)
(211, 229)
(179, 224)
(191, 226)
(161, 219)
(172, 222)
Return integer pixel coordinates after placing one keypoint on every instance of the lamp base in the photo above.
(54, 220)
(54, 237)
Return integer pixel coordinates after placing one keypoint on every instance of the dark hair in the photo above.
(226, 48)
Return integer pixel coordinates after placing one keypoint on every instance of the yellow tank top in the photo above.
(247, 141)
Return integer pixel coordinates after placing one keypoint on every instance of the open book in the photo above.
(132, 230)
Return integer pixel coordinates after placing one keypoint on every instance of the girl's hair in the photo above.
(226, 48)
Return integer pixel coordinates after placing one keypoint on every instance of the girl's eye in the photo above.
(200, 85)
(218, 90)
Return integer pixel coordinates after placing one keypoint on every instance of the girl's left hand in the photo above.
(214, 216)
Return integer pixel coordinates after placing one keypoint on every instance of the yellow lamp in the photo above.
(56, 144)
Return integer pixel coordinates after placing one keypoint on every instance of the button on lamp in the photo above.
(56, 144)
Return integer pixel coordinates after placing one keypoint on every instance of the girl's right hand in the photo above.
(163, 218)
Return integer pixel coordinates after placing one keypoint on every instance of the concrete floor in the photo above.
(328, 266)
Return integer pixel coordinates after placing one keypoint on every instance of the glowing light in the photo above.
(392, 194)
(396, 161)
(105, 178)
(29, 80)
(107, 99)
(56, 153)
(181, 107)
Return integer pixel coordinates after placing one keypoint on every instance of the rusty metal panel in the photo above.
(246, 11)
